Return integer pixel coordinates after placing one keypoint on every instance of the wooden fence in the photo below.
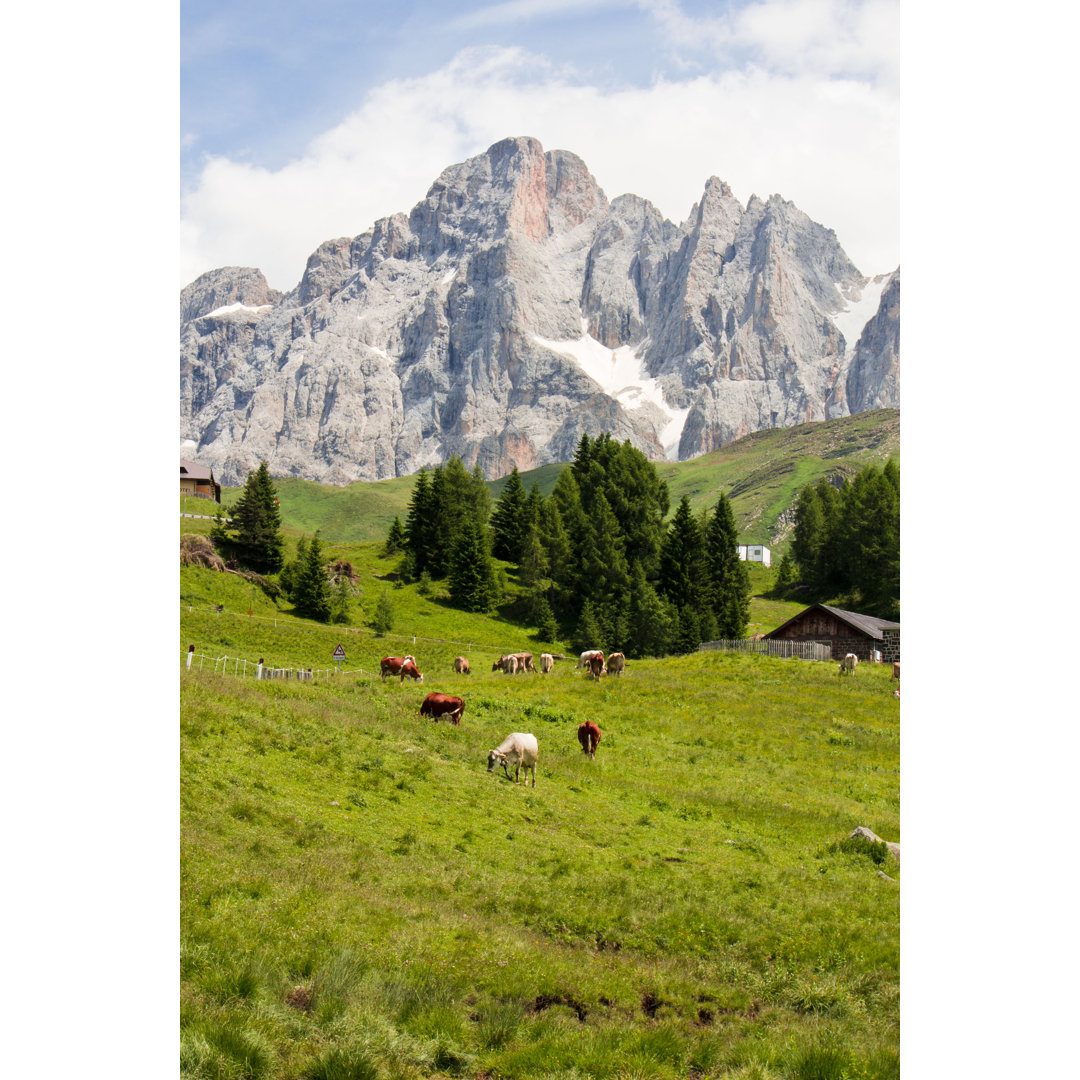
(803, 650)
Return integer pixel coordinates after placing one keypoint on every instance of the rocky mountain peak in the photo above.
(514, 308)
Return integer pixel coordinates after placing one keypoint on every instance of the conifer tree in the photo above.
(649, 630)
(729, 579)
(589, 634)
(471, 574)
(383, 621)
(312, 591)
(254, 534)
(508, 523)
(420, 524)
(395, 538)
(681, 558)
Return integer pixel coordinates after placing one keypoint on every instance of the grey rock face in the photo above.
(873, 377)
(512, 310)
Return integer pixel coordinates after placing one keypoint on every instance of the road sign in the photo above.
(339, 653)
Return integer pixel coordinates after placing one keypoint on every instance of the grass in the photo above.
(360, 897)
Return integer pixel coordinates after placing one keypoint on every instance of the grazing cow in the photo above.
(589, 737)
(547, 662)
(596, 666)
(616, 663)
(525, 662)
(583, 660)
(508, 665)
(519, 750)
(400, 665)
(849, 664)
(895, 672)
(439, 705)
(461, 665)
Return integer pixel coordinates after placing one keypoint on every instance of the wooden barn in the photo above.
(845, 631)
(199, 481)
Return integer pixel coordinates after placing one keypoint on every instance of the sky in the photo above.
(302, 123)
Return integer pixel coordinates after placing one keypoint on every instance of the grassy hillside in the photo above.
(761, 473)
(360, 898)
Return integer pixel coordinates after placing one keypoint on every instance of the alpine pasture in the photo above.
(361, 898)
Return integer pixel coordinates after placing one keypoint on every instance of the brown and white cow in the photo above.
(508, 665)
(461, 665)
(400, 665)
(586, 656)
(616, 663)
(439, 705)
(525, 662)
(848, 664)
(596, 666)
(589, 737)
(547, 662)
(895, 672)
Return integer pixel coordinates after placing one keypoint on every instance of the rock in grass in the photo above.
(862, 830)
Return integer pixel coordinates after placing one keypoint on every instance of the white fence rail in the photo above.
(259, 669)
(803, 650)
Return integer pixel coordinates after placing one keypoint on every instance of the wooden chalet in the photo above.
(845, 631)
(197, 480)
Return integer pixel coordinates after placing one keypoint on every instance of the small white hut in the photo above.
(755, 553)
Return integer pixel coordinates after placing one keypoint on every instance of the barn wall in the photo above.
(821, 626)
(890, 646)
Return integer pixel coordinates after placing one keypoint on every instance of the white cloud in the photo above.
(828, 145)
(515, 11)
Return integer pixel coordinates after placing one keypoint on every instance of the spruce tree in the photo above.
(420, 524)
(508, 523)
(395, 538)
(729, 579)
(471, 573)
(383, 621)
(312, 591)
(255, 529)
(681, 558)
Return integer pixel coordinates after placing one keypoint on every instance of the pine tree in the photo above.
(290, 573)
(255, 530)
(471, 574)
(508, 520)
(681, 558)
(383, 621)
(420, 524)
(729, 579)
(395, 538)
(589, 634)
(339, 602)
(650, 621)
(312, 591)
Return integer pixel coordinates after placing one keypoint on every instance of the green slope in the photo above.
(761, 473)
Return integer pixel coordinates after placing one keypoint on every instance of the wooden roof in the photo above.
(196, 472)
(870, 625)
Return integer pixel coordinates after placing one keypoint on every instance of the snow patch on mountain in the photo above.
(858, 313)
(620, 373)
(230, 309)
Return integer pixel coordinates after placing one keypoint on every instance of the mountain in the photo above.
(515, 308)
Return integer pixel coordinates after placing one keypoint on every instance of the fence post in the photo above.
(190, 654)
(258, 670)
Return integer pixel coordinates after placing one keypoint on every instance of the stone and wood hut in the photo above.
(845, 631)
(199, 481)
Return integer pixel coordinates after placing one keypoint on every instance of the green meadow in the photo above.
(361, 898)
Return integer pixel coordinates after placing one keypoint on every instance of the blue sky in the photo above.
(304, 122)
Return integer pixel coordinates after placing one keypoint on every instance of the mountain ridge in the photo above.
(477, 325)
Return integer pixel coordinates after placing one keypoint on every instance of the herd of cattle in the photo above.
(518, 750)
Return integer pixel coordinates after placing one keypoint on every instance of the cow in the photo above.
(508, 665)
(400, 665)
(547, 662)
(583, 660)
(896, 672)
(616, 663)
(589, 737)
(849, 664)
(519, 750)
(439, 705)
(525, 662)
(596, 666)
(461, 665)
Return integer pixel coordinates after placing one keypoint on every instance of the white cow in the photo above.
(849, 664)
(547, 662)
(616, 663)
(586, 657)
(519, 750)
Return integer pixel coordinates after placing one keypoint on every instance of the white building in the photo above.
(755, 553)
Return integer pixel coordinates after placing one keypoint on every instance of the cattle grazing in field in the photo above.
(461, 665)
(583, 660)
(508, 665)
(525, 662)
(616, 663)
(848, 664)
(547, 662)
(895, 672)
(520, 751)
(439, 705)
(596, 666)
(589, 737)
(400, 665)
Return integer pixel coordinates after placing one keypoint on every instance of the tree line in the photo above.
(594, 560)
(846, 544)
